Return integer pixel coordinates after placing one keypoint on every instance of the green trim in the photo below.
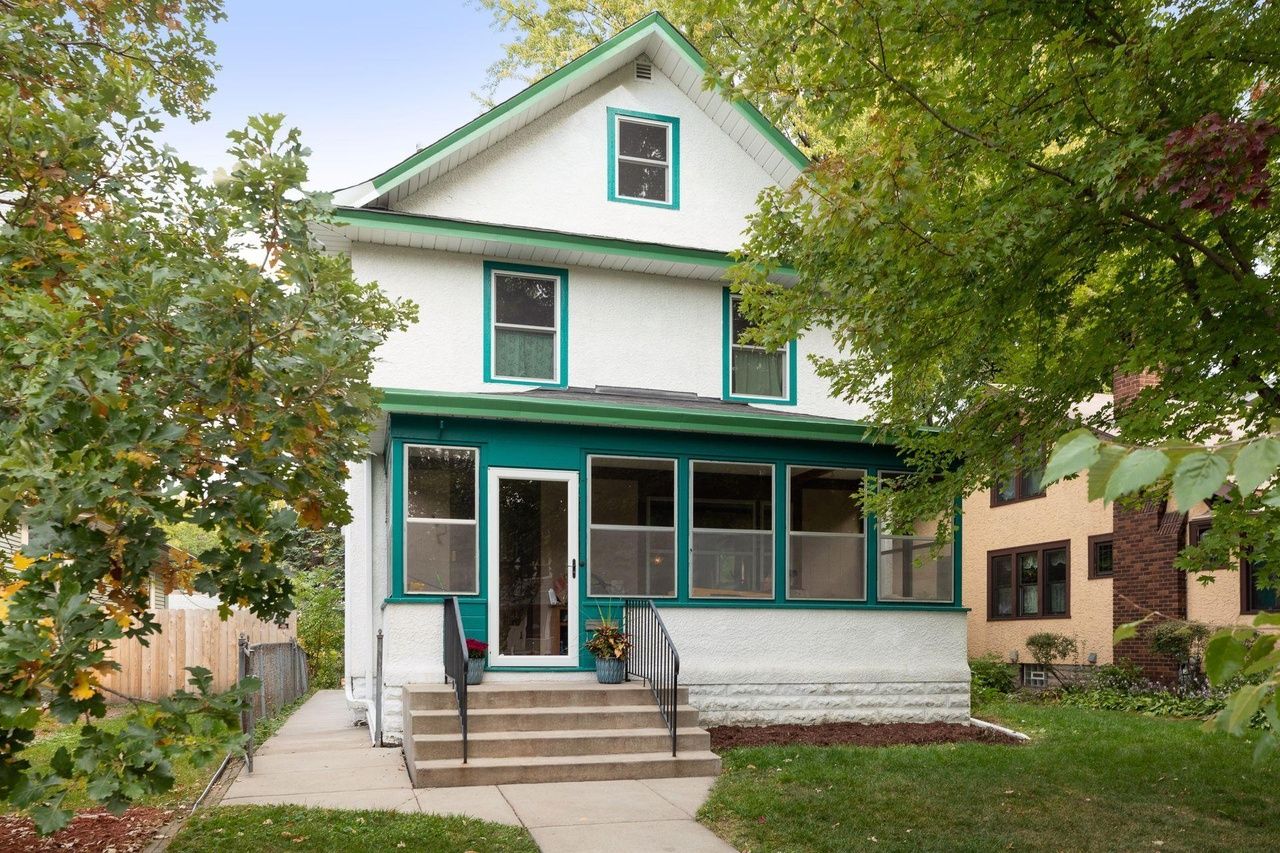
(611, 160)
(519, 407)
(726, 354)
(533, 237)
(562, 331)
(584, 63)
(766, 604)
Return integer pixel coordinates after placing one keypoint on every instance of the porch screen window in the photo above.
(827, 536)
(524, 326)
(731, 539)
(754, 371)
(643, 155)
(632, 527)
(1030, 582)
(440, 521)
(912, 567)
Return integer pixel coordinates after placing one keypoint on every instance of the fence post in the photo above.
(246, 715)
(377, 695)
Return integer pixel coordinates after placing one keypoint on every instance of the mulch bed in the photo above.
(96, 831)
(853, 734)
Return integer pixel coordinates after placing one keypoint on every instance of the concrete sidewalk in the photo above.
(317, 759)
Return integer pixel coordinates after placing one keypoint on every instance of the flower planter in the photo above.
(475, 670)
(611, 670)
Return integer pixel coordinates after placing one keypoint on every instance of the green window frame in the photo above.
(616, 158)
(732, 348)
(494, 330)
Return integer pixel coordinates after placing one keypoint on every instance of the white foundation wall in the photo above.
(751, 666)
(553, 173)
(366, 582)
(624, 329)
(761, 666)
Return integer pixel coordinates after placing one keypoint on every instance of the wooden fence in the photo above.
(188, 638)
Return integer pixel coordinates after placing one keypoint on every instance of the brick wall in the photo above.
(1126, 386)
(1146, 542)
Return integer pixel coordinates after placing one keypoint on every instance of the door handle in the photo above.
(573, 569)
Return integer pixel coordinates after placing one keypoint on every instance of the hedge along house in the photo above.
(573, 420)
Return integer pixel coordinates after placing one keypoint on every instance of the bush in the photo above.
(1047, 648)
(1180, 640)
(991, 673)
(1121, 675)
(1106, 693)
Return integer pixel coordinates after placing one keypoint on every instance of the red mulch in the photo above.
(94, 831)
(853, 734)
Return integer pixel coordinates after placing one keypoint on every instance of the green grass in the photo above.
(260, 829)
(1089, 780)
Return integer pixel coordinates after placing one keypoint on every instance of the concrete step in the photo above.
(437, 697)
(554, 743)
(562, 768)
(480, 720)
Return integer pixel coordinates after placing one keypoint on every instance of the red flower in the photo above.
(476, 646)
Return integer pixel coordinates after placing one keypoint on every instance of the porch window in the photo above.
(525, 313)
(826, 535)
(440, 521)
(755, 372)
(731, 539)
(644, 158)
(1032, 582)
(631, 527)
(912, 566)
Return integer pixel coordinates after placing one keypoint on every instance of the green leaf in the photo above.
(1223, 657)
(1109, 456)
(1197, 477)
(1263, 749)
(1241, 707)
(1136, 471)
(50, 817)
(1272, 498)
(1127, 631)
(1263, 619)
(1257, 463)
(1073, 452)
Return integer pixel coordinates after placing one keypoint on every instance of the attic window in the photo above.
(644, 158)
(644, 70)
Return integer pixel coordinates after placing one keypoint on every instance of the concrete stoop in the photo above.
(549, 732)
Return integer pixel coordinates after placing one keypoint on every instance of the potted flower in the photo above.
(610, 646)
(476, 651)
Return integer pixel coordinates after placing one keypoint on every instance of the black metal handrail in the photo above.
(653, 657)
(456, 662)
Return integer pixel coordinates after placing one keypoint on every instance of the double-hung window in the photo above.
(751, 371)
(644, 153)
(525, 315)
(912, 565)
(631, 526)
(826, 537)
(1029, 583)
(731, 539)
(440, 520)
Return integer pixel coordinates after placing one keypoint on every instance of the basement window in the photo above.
(644, 158)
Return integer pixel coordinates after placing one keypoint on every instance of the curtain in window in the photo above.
(757, 373)
(529, 355)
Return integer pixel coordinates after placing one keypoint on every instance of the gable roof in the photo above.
(651, 36)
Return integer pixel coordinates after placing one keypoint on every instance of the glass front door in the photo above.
(533, 567)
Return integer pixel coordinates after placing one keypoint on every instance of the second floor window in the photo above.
(1026, 484)
(755, 373)
(525, 315)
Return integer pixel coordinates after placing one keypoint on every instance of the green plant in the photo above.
(1121, 675)
(991, 672)
(1048, 648)
(314, 559)
(1181, 640)
(608, 640)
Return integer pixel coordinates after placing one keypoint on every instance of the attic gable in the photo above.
(652, 38)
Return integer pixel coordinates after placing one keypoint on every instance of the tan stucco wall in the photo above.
(1064, 513)
(1218, 603)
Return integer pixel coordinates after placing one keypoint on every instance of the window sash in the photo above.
(781, 357)
(854, 552)
(619, 157)
(408, 520)
(1040, 600)
(756, 543)
(553, 331)
(646, 531)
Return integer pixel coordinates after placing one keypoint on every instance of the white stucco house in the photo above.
(572, 420)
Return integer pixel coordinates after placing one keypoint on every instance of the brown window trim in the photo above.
(1064, 544)
(1196, 529)
(1018, 496)
(1093, 558)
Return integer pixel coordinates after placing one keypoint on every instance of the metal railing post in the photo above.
(246, 715)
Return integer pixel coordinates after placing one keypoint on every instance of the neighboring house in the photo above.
(1051, 560)
(573, 421)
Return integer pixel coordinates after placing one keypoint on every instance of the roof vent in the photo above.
(644, 70)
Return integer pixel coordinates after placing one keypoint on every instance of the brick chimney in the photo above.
(1146, 541)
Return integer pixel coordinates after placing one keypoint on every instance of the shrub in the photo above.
(1121, 675)
(1182, 641)
(1046, 648)
(991, 672)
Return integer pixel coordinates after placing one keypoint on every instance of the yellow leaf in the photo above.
(21, 562)
(83, 688)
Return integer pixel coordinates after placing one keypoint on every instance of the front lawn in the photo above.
(1089, 780)
(257, 829)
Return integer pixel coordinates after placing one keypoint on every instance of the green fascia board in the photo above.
(546, 410)
(598, 54)
(416, 223)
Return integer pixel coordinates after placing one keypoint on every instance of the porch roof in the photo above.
(632, 409)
